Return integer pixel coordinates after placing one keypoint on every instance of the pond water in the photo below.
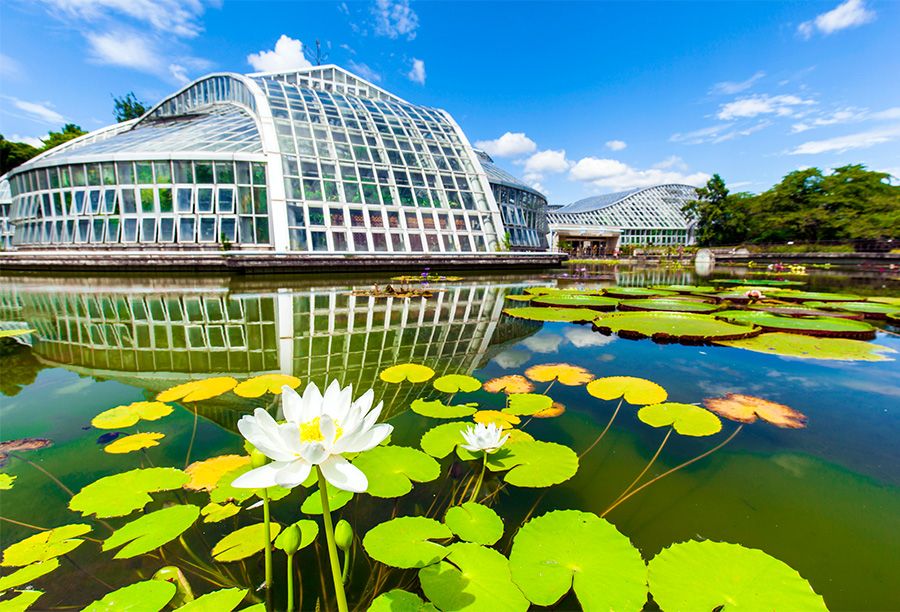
(824, 499)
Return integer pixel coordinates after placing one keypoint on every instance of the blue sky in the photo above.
(577, 98)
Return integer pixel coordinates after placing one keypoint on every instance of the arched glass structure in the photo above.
(316, 160)
(522, 208)
(6, 227)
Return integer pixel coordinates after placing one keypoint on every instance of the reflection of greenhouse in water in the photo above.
(157, 337)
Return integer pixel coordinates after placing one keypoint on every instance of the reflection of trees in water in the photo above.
(20, 367)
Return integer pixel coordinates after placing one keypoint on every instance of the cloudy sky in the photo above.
(576, 98)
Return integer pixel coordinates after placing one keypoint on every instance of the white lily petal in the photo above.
(372, 417)
(328, 429)
(293, 474)
(261, 431)
(313, 453)
(364, 440)
(312, 403)
(291, 404)
(259, 478)
(344, 475)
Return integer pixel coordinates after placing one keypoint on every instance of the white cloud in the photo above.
(671, 162)
(850, 14)
(846, 115)
(511, 144)
(616, 145)
(34, 141)
(732, 134)
(889, 113)
(546, 162)
(287, 55)
(179, 73)
(543, 343)
(700, 136)
(9, 68)
(178, 17)
(395, 18)
(840, 144)
(618, 176)
(122, 48)
(732, 87)
(582, 337)
(365, 71)
(511, 359)
(37, 111)
(416, 74)
(781, 105)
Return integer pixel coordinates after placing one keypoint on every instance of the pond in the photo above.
(824, 498)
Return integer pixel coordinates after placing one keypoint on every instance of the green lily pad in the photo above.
(869, 309)
(412, 372)
(814, 296)
(472, 577)
(308, 532)
(391, 469)
(146, 596)
(830, 327)
(243, 543)
(561, 315)
(20, 602)
(224, 492)
(758, 281)
(10, 333)
(456, 383)
(709, 575)
(44, 545)
(436, 409)
(122, 494)
(405, 542)
(686, 419)
(151, 531)
(441, 440)
(567, 549)
(810, 347)
(223, 600)
(524, 404)
(7, 481)
(474, 523)
(533, 463)
(516, 297)
(569, 300)
(668, 305)
(28, 574)
(399, 600)
(337, 499)
(685, 288)
(213, 512)
(778, 308)
(636, 292)
(672, 326)
(636, 391)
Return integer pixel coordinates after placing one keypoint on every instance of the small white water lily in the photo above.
(488, 438)
(318, 430)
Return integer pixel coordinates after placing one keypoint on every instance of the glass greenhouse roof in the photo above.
(498, 175)
(650, 207)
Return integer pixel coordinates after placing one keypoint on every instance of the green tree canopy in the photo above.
(128, 107)
(14, 153)
(67, 133)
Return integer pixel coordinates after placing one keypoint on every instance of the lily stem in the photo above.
(290, 583)
(474, 497)
(187, 458)
(332, 547)
(647, 467)
(605, 429)
(268, 539)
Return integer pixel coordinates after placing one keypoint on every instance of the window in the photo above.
(186, 229)
(226, 200)
(207, 229)
(185, 200)
(148, 230)
(147, 202)
(167, 229)
(163, 172)
(204, 200)
(339, 239)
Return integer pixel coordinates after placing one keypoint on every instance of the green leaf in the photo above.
(225, 492)
(870, 309)
(9, 333)
(472, 577)
(474, 523)
(399, 600)
(567, 549)
(126, 416)
(808, 347)
(685, 288)
(28, 574)
(390, 469)
(456, 383)
(532, 463)
(6, 481)
(20, 602)
(831, 327)
(687, 419)
(44, 545)
(672, 326)
(813, 296)
(223, 600)
(441, 440)
(146, 596)
(198, 390)
(524, 404)
(134, 442)
(151, 531)
(591, 302)
(565, 373)
(707, 575)
(122, 494)
(245, 542)
(561, 315)
(404, 542)
(337, 499)
(308, 532)
(437, 409)
(636, 391)
(674, 304)
(636, 292)
(412, 372)
(213, 512)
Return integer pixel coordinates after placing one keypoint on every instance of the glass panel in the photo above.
(144, 172)
(207, 229)
(186, 229)
(183, 172)
(128, 203)
(339, 239)
(204, 200)
(224, 172)
(228, 229)
(126, 173)
(319, 242)
(203, 172)
(226, 200)
(185, 200)
(147, 201)
(148, 230)
(130, 230)
(360, 243)
(165, 200)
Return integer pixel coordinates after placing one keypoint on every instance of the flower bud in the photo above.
(289, 540)
(343, 535)
(183, 592)
(257, 459)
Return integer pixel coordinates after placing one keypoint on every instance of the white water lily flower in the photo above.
(485, 438)
(318, 431)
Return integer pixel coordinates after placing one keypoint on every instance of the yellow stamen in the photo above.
(311, 431)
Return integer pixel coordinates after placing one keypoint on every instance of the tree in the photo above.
(128, 107)
(67, 133)
(13, 154)
(720, 216)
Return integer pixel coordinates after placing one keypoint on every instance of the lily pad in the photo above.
(533, 463)
(412, 372)
(405, 542)
(122, 494)
(685, 288)
(7, 481)
(686, 419)
(669, 305)
(44, 545)
(391, 469)
(810, 347)
(710, 575)
(565, 373)
(513, 383)
(557, 315)
(213, 512)
(206, 474)
(777, 308)
(337, 499)
(555, 410)
(129, 444)
(874, 310)
(472, 577)
(146, 596)
(28, 574)
(11, 333)
(456, 383)
(568, 549)
(223, 600)
(20, 602)
(831, 327)
(746, 409)
(243, 543)
(198, 390)
(757, 281)
(151, 531)
(814, 296)
(636, 391)
(126, 416)
(308, 532)
(474, 523)
(267, 383)
(516, 297)
(437, 409)
(525, 404)
(590, 302)
(441, 440)
(636, 292)
(503, 420)
(671, 326)
(398, 600)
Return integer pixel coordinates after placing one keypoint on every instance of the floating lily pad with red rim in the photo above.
(556, 314)
(874, 310)
(636, 292)
(575, 300)
(812, 347)
(827, 327)
(672, 327)
(674, 304)
(814, 296)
